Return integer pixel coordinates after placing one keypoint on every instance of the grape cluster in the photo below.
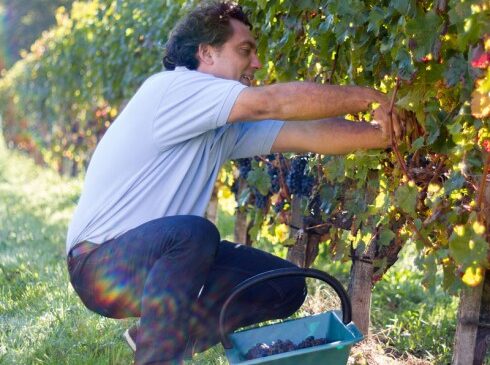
(279, 206)
(274, 175)
(260, 200)
(244, 166)
(419, 161)
(276, 347)
(235, 187)
(299, 183)
(311, 341)
(279, 346)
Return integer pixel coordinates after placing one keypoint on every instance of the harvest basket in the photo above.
(341, 334)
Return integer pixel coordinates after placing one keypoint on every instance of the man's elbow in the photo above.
(254, 105)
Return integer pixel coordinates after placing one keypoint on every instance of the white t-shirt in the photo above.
(162, 154)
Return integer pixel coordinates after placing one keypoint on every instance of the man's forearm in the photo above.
(329, 137)
(309, 101)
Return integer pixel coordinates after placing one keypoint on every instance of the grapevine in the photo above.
(432, 58)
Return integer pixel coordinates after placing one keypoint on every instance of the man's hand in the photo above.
(387, 117)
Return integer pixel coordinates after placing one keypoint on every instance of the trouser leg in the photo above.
(154, 271)
(277, 298)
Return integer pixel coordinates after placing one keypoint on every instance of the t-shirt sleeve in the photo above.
(193, 104)
(255, 138)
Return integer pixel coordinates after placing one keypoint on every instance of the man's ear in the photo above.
(205, 54)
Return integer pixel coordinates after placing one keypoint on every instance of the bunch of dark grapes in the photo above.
(311, 341)
(276, 347)
(279, 346)
(260, 200)
(279, 206)
(244, 166)
(274, 175)
(235, 187)
(299, 183)
(307, 186)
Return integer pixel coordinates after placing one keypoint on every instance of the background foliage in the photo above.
(21, 23)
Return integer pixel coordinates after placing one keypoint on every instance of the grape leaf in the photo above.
(424, 29)
(404, 7)
(386, 236)
(456, 181)
(480, 104)
(467, 246)
(376, 18)
(406, 198)
(260, 179)
(456, 70)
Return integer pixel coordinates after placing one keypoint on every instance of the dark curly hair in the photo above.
(209, 23)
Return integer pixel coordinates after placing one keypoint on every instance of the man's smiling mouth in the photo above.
(247, 79)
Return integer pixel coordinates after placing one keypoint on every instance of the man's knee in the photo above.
(202, 233)
(202, 228)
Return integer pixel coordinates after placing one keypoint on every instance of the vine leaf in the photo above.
(406, 198)
(260, 179)
(473, 276)
(469, 248)
(376, 19)
(455, 182)
(386, 236)
(424, 30)
(456, 69)
(480, 103)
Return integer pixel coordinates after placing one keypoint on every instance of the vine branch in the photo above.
(394, 142)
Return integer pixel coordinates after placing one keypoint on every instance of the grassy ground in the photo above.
(43, 322)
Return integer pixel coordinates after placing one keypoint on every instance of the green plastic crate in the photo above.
(341, 334)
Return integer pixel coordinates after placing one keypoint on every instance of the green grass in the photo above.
(412, 319)
(42, 320)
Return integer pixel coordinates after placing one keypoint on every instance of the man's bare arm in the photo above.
(329, 136)
(300, 101)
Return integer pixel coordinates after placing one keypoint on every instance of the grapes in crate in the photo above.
(279, 347)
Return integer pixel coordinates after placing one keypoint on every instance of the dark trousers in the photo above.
(175, 273)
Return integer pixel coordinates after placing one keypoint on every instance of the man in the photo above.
(138, 245)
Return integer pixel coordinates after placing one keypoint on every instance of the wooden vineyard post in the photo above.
(361, 278)
(472, 337)
(483, 333)
(305, 249)
(467, 327)
(360, 288)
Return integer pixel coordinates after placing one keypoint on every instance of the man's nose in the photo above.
(256, 64)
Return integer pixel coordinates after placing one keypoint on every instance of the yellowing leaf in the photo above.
(459, 230)
(113, 112)
(478, 228)
(281, 231)
(473, 276)
(380, 200)
(480, 104)
(225, 192)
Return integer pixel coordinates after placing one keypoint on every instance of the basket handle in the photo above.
(286, 272)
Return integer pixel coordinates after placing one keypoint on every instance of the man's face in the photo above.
(236, 59)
